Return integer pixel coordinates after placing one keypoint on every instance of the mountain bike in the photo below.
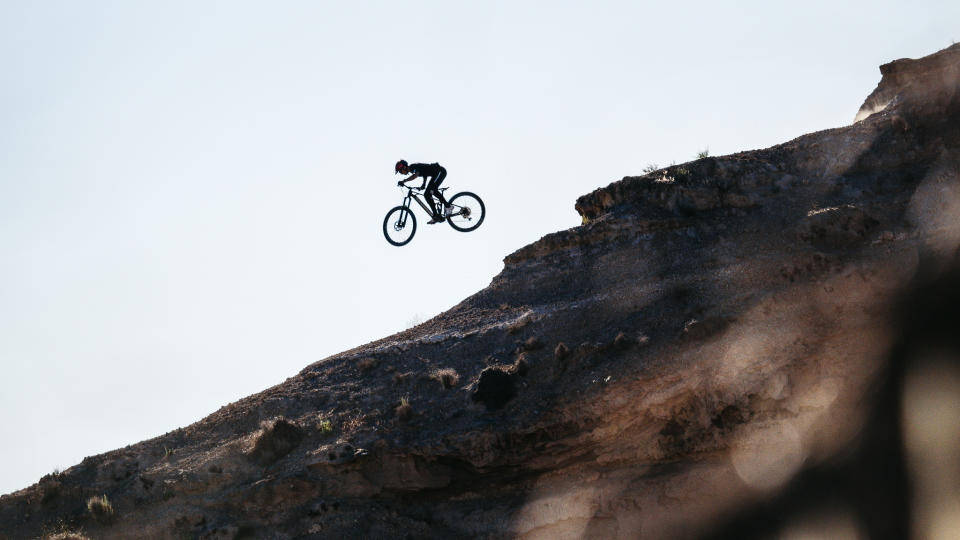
(467, 213)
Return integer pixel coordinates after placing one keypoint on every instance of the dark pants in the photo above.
(432, 191)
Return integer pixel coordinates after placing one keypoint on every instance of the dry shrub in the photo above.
(101, 509)
(448, 377)
(67, 536)
(277, 438)
(354, 423)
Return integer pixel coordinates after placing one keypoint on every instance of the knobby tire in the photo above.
(393, 231)
(477, 212)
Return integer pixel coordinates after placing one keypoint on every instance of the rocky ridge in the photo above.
(708, 352)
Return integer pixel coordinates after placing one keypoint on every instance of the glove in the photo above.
(400, 183)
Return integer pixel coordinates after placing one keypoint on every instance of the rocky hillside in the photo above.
(739, 346)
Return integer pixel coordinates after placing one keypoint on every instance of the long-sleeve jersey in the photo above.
(424, 170)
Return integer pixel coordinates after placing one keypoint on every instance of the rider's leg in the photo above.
(432, 192)
(436, 186)
(428, 195)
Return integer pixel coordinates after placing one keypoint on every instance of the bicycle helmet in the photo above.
(399, 166)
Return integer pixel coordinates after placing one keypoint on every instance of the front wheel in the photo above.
(468, 212)
(399, 226)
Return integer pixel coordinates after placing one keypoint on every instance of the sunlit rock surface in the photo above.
(747, 346)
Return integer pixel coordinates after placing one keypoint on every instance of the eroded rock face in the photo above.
(916, 84)
(719, 351)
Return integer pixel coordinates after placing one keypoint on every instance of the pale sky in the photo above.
(192, 193)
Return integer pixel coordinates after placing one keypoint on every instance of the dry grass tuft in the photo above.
(404, 411)
(448, 377)
(101, 509)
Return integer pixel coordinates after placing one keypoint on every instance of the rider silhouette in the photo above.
(436, 174)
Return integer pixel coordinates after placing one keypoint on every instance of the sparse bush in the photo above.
(703, 153)
(404, 411)
(355, 423)
(62, 530)
(326, 427)
(448, 377)
(651, 167)
(101, 509)
(276, 439)
(66, 536)
(561, 352)
(415, 320)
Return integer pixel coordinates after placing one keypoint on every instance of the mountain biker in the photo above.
(436, 174)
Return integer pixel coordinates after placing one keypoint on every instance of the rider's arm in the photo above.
(413, 176)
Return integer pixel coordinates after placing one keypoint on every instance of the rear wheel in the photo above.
(399, 226)
(468, 212)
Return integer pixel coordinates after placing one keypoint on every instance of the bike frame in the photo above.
(412, 195)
